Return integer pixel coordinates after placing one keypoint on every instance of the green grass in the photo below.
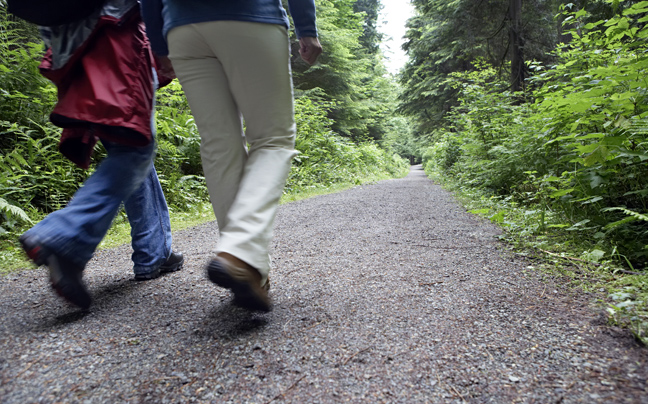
(339, 187)
(119, 233)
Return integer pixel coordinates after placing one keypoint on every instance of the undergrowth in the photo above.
(561, 165)
(564, 253)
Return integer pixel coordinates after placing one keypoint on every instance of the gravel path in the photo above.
(386, 293)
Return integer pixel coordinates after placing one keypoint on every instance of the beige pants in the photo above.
(231, 70)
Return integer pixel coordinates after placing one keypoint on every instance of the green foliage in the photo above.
(448, 37)
(595, 113)
(626, 309)
(371, 38)
(350, 73)
(563, 167)
(178, 155)
(326, 158)
(400, 138)
(34, 174)
(577, 154)
(483, 142)
(11, 214)
(25, 96)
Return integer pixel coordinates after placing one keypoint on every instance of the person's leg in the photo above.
(254, 59)
(66, 239)
(148, 216)
(237, 67)
(205, 84)
(261, 82)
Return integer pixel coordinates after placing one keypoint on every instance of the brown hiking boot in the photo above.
(230, 272)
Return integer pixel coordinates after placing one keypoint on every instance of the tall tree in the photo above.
(445, 37)
(371, 38)
(350, 73)
(516, 44)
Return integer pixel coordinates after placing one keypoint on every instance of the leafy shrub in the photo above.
(595, 107)
(178, 154)
(577, 152)
(326, 158)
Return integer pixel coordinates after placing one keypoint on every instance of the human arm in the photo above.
(152, 16)
(164, 67)
(303, 15)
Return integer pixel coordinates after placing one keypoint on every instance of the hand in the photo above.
(164, 67)
(309, 49)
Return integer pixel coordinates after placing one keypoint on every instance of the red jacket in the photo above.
(108, 82)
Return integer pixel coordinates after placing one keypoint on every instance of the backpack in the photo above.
(53, 12)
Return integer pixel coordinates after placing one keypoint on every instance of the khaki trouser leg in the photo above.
(230, 69)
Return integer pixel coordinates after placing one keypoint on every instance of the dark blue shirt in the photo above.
(161, 16)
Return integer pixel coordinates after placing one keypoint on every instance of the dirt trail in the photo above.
(384, 293)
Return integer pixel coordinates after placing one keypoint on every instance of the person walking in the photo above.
(232, 59)
(104, 72)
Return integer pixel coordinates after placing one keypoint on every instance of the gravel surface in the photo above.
(386, 293)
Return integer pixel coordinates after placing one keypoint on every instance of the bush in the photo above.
(575, 149)
(326, 158)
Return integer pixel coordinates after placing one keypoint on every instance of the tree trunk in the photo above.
(517, 44)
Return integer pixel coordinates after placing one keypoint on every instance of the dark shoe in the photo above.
(66, 277)
(229, 272)
(172, 264)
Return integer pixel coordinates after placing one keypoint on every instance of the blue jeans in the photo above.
(148, 216)
(125, 175)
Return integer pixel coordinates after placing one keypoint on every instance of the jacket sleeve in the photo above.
(303, 15)
(152, 16)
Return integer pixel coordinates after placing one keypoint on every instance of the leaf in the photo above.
(579, 225)
(599, 155)
(638, 8)
(594, 135)
(588, 148)
(595, 180)
(14, 210)
(592, 200)
(497, 217)
(636, 215)
(479, 211)
(561, 192)
(594, 255)
(618, 223)
(642, 156)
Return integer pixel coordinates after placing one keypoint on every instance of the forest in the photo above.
(534, 113)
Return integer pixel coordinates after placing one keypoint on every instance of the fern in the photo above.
(633, 214)
(13, 210)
